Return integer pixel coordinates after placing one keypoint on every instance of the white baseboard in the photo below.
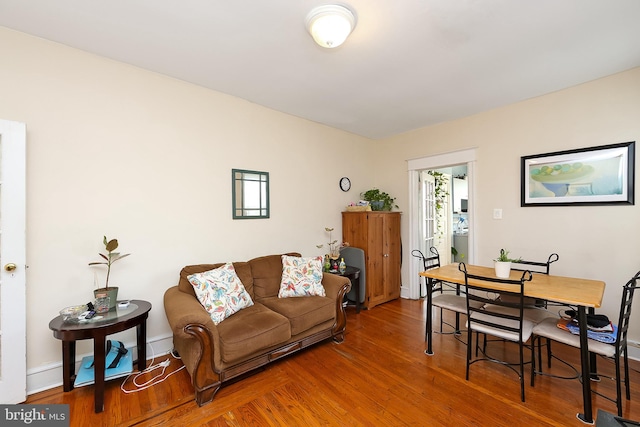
(50, 376)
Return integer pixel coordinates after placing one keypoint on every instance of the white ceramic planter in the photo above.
(502, 269)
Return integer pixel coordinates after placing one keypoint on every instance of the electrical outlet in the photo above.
(497, 214)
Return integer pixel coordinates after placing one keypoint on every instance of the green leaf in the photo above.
(118, 256)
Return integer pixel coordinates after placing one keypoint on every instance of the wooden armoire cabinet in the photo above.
(378, 234)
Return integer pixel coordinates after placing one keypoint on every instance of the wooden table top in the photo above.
(566, 290)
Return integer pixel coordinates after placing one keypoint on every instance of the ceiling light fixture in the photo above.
(330, 25)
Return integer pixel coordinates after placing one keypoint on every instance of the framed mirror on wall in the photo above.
(250, 194)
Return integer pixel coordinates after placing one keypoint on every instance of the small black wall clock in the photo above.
(345, 184)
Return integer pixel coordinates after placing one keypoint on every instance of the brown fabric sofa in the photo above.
(254, 336)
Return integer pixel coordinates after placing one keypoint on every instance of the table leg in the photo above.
(141, 336)
(99, 362)
(68, 364)
(429, 325)
(457, 329)
(593, 357)
(357, 285)
(587, 416)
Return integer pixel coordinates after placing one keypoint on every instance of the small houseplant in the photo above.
(379, 200)
(502, 264)
(112, 291)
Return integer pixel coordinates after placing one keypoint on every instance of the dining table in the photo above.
(585, 294)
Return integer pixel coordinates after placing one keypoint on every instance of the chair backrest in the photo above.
(535, 266)
(478, 289)
(355, 258)
(625, 309)
(429, 262)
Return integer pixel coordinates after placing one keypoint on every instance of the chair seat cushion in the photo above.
(532, 314)
(250, 330)
(457, 303)
(527, 327)
(304, 312)
(548, 328)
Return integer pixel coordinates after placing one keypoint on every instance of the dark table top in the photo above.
(113, 317)
(350, 271)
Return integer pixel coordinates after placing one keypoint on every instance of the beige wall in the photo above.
(599, 242)
(145, 158)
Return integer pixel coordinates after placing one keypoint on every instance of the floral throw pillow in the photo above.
(301, 277)
(220, 291)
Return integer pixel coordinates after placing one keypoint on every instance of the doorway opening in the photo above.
(441, 212)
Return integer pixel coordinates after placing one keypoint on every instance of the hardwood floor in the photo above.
(378, 376)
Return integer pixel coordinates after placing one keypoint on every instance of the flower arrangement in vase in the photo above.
(334, 250)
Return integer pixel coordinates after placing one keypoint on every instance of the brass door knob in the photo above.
(10, 267)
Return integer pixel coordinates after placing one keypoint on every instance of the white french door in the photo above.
(13, 355)
(427, 218)
(428, 212)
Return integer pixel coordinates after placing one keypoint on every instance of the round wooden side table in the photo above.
(97, 329)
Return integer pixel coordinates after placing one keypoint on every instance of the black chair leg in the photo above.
(521, 371)
(533, 359)
(469, 343)
(548, 353)
(618, 388)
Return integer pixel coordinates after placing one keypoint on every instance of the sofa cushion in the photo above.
(220, 292)
(301, 277)
(303, 313)
(251, 330)
(267, 274)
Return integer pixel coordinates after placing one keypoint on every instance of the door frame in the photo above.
(414, 166)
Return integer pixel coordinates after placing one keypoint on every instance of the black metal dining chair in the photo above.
(549, 329)
(535, 267)
(450, 296)
(503, 319)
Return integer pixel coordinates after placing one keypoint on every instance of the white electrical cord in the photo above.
(156, 379)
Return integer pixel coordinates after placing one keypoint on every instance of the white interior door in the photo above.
(13, 355)
(427, 219)
(427, 212)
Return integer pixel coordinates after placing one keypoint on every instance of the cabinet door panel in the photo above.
(392, 256)
(376, 255)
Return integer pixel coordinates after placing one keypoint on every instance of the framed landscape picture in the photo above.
(600, 175)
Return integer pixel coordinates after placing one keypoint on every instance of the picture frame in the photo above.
(602, 175)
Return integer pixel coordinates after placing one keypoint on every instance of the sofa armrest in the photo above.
(336, 287)
(196, 338)
(183, 309)
(334, 284)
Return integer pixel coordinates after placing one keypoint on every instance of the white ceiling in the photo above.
(408, 64)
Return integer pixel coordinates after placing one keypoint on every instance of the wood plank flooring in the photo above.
(378, 376)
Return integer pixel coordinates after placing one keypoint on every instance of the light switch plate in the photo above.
(497, 214)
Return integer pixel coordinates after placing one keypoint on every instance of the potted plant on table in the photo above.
(379, 200)
(502, 264)
(111, 257)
